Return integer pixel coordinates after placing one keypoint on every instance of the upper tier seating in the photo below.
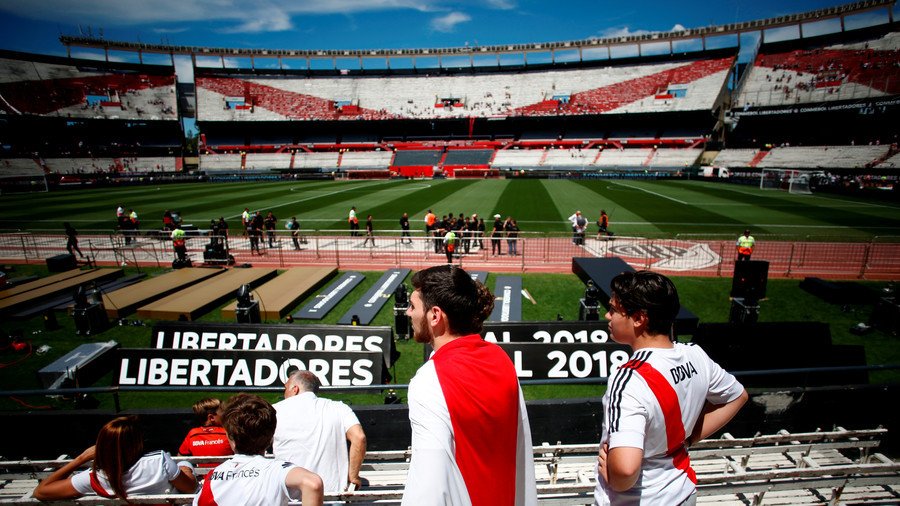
(304, 160)
(514, 158)
(839, 72)
(20, 167)
(652, 87)
(126, 165)
(735, 157)
(366, 159)
(220, 162)
(892, 162)
(50, 89)
(267, 161)
(837, 157)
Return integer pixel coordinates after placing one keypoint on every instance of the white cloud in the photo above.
(501, 4)
(169, 30)
(626, 31)
(447, 23)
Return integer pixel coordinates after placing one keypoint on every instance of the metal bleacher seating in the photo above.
(835, 467)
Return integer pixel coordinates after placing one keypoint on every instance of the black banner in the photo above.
(321, 304)
(558, 350)
(272, 337)
(865, 106)
(155, 367)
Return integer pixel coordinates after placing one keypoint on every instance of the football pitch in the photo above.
(643, 208)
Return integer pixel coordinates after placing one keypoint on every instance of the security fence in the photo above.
(535, 252)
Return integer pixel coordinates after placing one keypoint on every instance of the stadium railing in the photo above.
(799, 468)
(686, 254)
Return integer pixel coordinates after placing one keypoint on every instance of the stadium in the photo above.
(685, 138)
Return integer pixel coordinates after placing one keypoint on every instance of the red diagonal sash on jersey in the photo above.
(668, 402)
(482, 393)
(206, 496)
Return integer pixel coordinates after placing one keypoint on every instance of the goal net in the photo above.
(790, 180)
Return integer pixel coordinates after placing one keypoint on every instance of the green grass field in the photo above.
(645, 208)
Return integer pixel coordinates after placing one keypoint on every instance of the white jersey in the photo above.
(312, 433)
(150, 475)
(247, 480)
(653, 402)
(471, 442)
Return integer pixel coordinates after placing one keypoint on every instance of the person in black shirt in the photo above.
(72, 240)
(269, 223)
(497, 236)
(404, 226)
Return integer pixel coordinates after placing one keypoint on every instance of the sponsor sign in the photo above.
(157, 367)
(869, 106)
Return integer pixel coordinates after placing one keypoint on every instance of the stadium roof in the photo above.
(593, 44)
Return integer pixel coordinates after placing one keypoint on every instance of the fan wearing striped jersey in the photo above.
(668, 395)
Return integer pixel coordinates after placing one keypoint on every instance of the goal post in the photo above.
(790, 180)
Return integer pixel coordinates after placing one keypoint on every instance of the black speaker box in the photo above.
(886, 315)
(773, 345)
(750, 279)
(61, 263)
(839, 292)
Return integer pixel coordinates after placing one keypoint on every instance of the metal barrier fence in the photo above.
(534, 252)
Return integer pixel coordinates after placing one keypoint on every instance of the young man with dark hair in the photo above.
(249, 478)
(471, 442)
(666, 397)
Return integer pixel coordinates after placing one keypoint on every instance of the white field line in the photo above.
(673, 199)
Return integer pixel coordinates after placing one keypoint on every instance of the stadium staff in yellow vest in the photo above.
(179, 244)
(745, 245)
(450, 245)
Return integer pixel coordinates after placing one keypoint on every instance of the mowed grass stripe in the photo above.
(569, 196)
(412, 196)
(524, 200)
(615, 200)
(477, 197)
(807, 211)
(669, 216)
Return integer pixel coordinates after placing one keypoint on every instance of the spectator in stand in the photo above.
(370, 232)
(72, 240)
(512, 236)
(313, 432)
(209, 439)
(745, 245)
(249, 478)
(120, 468)
(404, 227)
(269, 223)
(496, 236)
(652, 416)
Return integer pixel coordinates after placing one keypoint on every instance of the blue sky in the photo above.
(34, 25)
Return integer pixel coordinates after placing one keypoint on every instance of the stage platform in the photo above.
(125, 301)
(42, 282)
(201, 298)
(280, 295)
(14, 302)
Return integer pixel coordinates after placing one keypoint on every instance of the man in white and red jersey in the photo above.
(249, 478)
(667, 396)
(471, 443)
